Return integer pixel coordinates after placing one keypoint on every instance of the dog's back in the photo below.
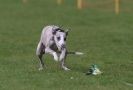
(47, 34)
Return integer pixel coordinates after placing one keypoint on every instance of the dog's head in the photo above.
(60, 37)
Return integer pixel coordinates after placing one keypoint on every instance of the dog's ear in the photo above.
(66, 32)
(54, 31)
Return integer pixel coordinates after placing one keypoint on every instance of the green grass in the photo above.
(105, 38)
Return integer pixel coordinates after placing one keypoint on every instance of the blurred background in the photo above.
(102, 29)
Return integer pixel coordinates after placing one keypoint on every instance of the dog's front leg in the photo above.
(62, 59)
(48, 50)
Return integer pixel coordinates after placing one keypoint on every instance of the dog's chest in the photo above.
(54, 47)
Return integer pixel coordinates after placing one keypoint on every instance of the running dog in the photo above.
(53, 41)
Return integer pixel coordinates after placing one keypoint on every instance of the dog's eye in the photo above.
(64, 39)
(58, 38)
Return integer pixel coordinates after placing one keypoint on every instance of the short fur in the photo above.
(51, 43)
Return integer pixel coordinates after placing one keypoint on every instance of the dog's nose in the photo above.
(63, 45)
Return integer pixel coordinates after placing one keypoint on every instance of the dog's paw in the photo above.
(55, 56)
(40, 69)
(66, 69)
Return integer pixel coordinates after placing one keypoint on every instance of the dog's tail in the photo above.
(76, 53)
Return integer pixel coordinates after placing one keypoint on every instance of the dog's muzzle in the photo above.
(63, 46)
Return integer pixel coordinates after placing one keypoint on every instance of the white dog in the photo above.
(53, 41)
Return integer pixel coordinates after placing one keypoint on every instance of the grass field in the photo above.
(105, 38)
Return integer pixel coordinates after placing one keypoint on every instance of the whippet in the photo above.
(53, 41)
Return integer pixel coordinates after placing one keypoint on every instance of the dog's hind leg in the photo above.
(41, 63)
(39, 52)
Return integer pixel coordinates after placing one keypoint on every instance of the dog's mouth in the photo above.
(60, 48)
